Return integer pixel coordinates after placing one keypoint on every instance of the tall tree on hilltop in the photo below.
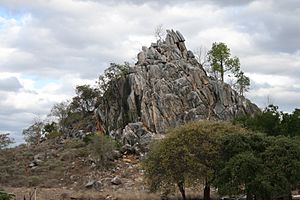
(221, 62)
(86, 99)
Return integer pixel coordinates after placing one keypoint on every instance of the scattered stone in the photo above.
(116, 181)
(116, 154)
(32, 164)
(90, 184)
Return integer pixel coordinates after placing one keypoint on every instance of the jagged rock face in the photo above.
(168, 87)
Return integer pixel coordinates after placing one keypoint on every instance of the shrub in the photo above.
(74, 144)
(102, 148)
(54, 134)
(6, 196)
(34, 181)
(89, 138)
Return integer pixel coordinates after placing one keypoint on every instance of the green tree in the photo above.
(273, 122)
(167, 165)
(242, 83)
(281, 161)
(6, 196)
(290, 123)
(254, 164)
(239, 174)
(5, 140)
(108, 79)
(221, 61)
(186, 156)
(86, 99)
(239, 165)
(268, 121)
(51, 130)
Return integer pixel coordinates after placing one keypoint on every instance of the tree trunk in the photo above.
(222, 71)
(249, 196)
(181, 189)
(206, 193)
(290, 196)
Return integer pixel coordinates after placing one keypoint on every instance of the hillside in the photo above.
(165, 88)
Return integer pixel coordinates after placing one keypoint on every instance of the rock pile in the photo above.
(165, 88)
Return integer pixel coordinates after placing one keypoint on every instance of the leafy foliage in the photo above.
(51, 130)
(5, 140)
(220, 60)
(242, 84)
(86, 99)
(107, 81)
(186, 156)
(273, 122)
(254, 164)
(6, 196)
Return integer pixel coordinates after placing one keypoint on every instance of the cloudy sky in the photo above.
(47, 47)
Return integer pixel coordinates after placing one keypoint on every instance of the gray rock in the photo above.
(116, 181)
(141, 57)
(180, 36)
(127, 148)
(173, 91)
(40, 156)
(90, 184)
(93, 184)
(31, 165)
(163, 59)
(116, 154)
(190, 54)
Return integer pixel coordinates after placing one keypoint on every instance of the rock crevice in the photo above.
(168, 87)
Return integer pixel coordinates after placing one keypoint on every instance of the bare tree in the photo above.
(61, 112)
(33, 133)
(159, 32)
(201, 56)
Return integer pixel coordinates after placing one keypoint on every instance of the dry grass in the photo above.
(54, 170)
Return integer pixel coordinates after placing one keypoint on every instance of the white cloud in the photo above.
(49, 47)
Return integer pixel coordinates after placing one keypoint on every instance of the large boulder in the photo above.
(165, 88)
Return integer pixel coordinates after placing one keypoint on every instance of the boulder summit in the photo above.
(166, 87)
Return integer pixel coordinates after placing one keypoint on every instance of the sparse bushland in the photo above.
(54, 166)
(273, 122)
(68, 117)
(227, 157)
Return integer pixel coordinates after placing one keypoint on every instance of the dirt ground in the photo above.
(66, 194)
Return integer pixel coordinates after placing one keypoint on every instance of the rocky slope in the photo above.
(166, 87)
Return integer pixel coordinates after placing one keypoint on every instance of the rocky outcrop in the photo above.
(165, 88)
